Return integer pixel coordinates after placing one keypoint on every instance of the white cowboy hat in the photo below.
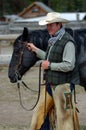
(52, 17)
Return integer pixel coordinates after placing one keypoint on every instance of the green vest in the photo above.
(55, 56)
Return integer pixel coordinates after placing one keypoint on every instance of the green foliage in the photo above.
(16, 6)
(67, 5)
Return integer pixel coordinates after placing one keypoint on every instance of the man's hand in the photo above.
(45, 64)
(31, 47)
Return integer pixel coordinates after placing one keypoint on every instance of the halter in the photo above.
(24, 84)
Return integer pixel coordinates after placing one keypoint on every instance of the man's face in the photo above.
(53, 28)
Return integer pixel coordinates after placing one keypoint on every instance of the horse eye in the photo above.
(19, 41)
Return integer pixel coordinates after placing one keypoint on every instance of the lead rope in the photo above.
(25, 85)
(18, 85)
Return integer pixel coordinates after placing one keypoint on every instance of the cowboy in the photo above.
(59, 64)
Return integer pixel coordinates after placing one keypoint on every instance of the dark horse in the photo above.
(80, 38)
(28, 59)
(22, 59)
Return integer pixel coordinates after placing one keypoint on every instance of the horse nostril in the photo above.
(13, 80)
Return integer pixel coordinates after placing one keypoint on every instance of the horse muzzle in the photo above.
(14, 78)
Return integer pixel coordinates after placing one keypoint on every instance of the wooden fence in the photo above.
(8, 37)
(5, 58)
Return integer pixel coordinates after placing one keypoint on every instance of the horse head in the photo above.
(22, 59)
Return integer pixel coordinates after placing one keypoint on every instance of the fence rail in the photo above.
(8, 37)
(5, 59)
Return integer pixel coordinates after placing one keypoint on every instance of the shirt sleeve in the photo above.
(41, 54)
(68, 59)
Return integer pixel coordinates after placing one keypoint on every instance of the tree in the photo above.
(67, 5)
(84, 5)
(16, 6)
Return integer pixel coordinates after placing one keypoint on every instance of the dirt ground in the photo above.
(12, 115)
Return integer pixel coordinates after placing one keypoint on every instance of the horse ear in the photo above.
(25, 34)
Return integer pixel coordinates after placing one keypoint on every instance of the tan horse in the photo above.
(67, 118)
